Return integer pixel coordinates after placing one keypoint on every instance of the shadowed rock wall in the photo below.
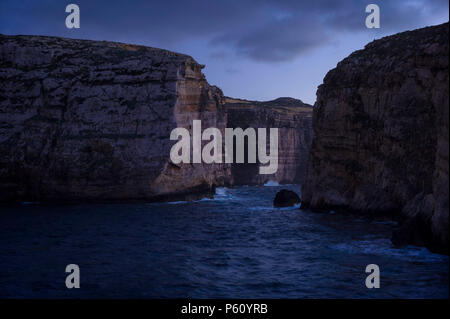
(293, 118)
(92, 120)
(381, 135)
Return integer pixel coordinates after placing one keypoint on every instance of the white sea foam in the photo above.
(224, 193)
(221, 191)
(272, 183)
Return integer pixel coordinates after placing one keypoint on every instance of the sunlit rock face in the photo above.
(91, 120)
(293, 118)
(381, 135)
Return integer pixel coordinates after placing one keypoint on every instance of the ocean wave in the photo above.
(221, 191)
(178, 202)
(384, 247)
(261, 208)
(296, 206)
(224, 194)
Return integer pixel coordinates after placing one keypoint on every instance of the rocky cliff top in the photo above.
(285, 105)
(280, 102)
(390, 54)
(23, 52)
(77, 44)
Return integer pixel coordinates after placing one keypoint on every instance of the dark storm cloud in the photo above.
(297, 26)
(279, 40)
(262, 30)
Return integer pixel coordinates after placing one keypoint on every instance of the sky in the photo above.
(252, 49)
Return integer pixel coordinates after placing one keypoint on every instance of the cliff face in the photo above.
(92, 120)
(293, 118)
(381, 135)
(87, 120)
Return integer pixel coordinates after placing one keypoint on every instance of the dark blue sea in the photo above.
(233, 246)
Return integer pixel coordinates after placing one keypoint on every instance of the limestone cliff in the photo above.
(91, 120)
(293, 118)
(381, 135)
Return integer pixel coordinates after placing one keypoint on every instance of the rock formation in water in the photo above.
(286, 198)
(91, 120)
(381, 135)
(294, 120)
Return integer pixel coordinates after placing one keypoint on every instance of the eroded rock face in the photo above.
(293, 118)
(381, 134)
(92, 120)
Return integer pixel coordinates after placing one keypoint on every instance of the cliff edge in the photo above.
(91, 120)
(381, 135)
(293, 118)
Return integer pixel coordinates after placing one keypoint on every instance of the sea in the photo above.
(234, 245)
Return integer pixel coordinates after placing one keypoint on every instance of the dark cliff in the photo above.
(91, 120)
(293, 118)
(381, 135)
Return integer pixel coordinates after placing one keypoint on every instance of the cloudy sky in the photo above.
(253, 49)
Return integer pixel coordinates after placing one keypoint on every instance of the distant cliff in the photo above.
(91, 120)
(381, 135)
(294, 120)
